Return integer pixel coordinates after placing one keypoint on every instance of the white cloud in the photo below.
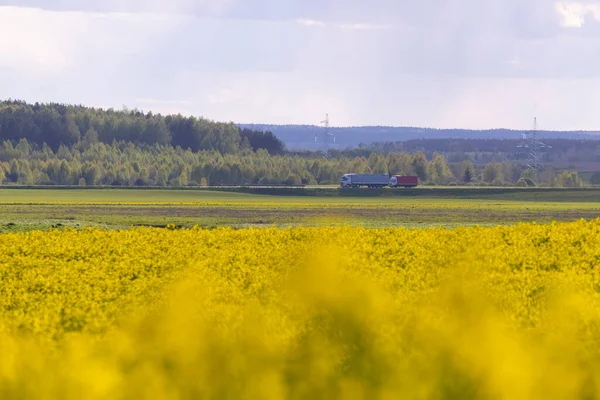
(573, 14)
(40, 46)
(225, 96)
(426, 63)
(198, 7)
(144, 100)
(310, 22)
(37, 42)
(347, 26)
(364, 27)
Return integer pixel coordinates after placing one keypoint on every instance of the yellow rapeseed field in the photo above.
(478, 312)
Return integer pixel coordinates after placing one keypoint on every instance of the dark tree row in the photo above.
(489, 150)
(59, 124)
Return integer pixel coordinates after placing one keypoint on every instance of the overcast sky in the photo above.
(432, 63)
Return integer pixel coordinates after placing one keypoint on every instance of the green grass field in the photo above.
(24, 209)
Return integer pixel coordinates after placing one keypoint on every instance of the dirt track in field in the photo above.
(218, 216)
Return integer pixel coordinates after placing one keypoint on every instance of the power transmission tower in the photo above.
(325, 137)
(532, 142)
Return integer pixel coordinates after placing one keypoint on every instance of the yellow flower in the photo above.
(506, 312)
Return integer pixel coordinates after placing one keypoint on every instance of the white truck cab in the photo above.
(346, 180)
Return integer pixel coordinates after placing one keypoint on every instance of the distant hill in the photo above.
(302, 137)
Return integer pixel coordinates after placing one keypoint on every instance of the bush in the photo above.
(595, 178)
(530, 182)
(293, 180)
(570, 180)
(526, 182)
(522, 183)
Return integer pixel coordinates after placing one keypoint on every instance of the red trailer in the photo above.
(406, 181)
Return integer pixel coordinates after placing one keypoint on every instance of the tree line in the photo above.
(56, 124)
(57, 144)
(489, 150)
(94, 162)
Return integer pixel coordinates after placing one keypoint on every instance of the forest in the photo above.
(92, 163)
(299, 137)
(54, 144)
(58, 124)
(554, 150)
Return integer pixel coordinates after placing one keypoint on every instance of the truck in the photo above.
(378, 181)
(368, 180)
(406, 181)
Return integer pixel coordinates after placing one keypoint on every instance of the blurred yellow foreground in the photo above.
(353, 313)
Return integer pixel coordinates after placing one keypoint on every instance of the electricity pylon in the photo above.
(325, 137)
(532, 142)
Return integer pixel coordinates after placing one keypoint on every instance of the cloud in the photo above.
(530, 18)
(45, 49)
(310, 22)
(225, 96)
(195, 7)
(162, 102)
(431, 63)
(346, 26)
(505, 15)
(364, 27)
(53, 42)
(575, 14)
